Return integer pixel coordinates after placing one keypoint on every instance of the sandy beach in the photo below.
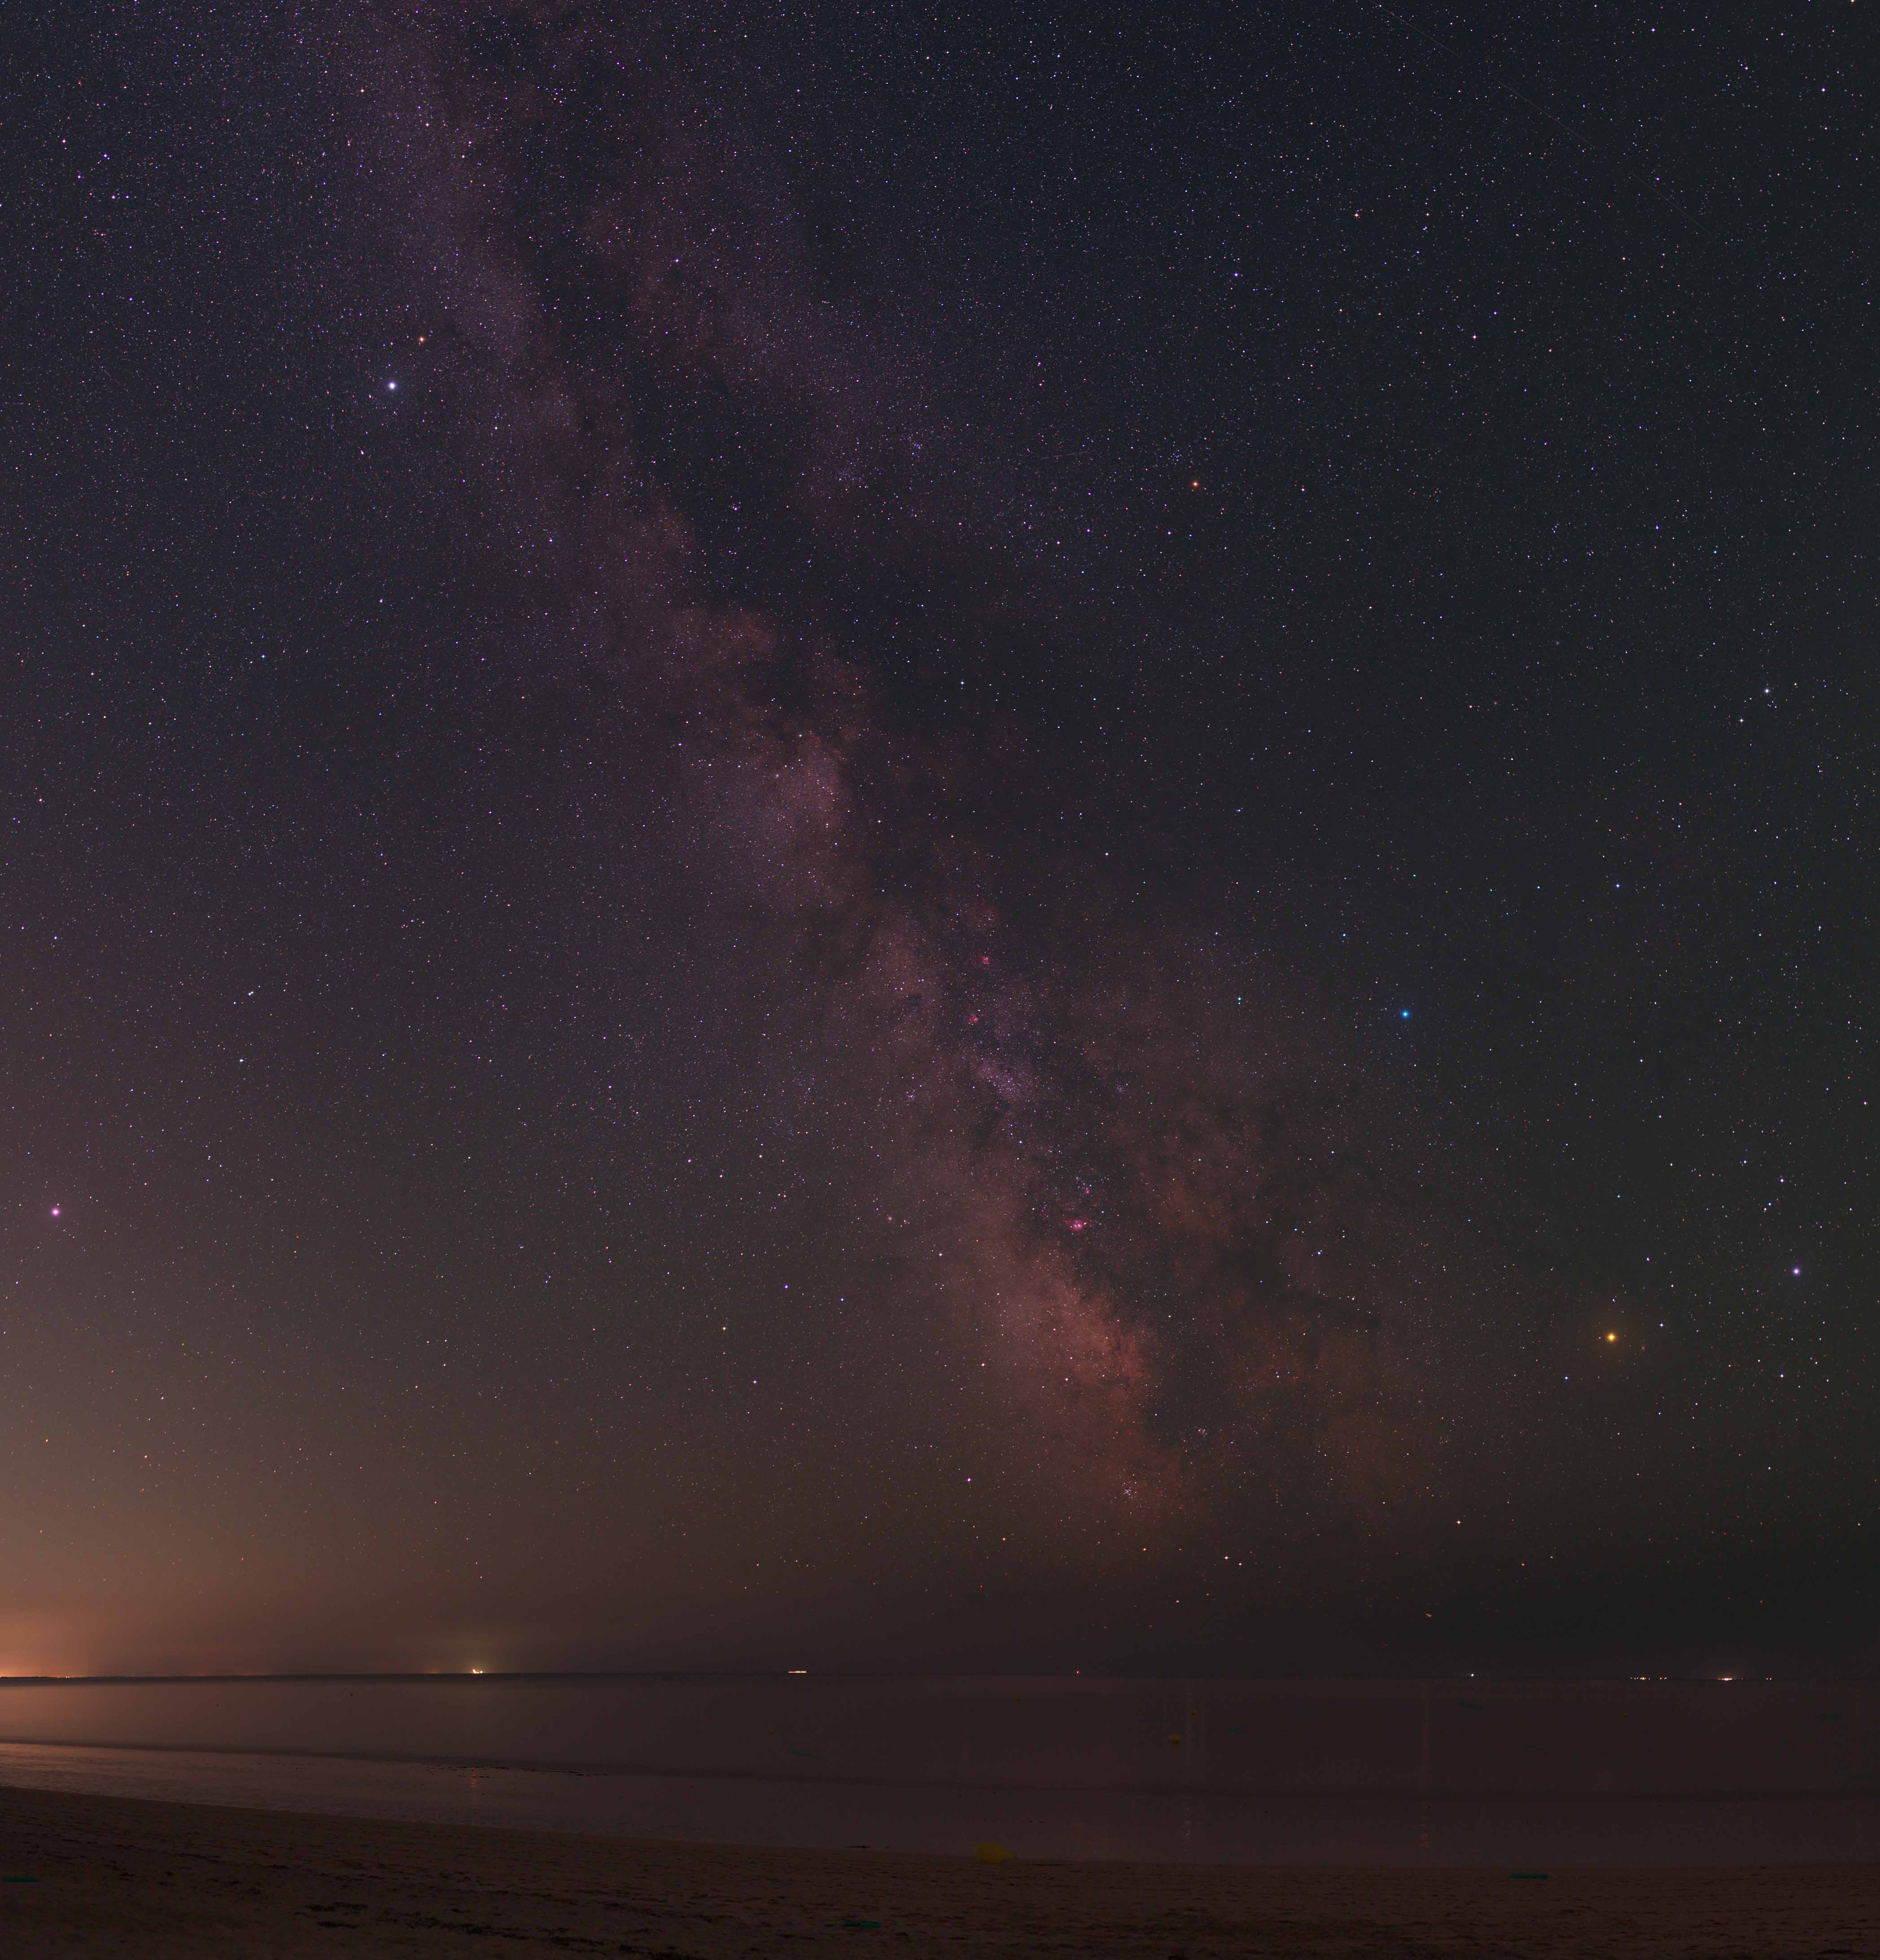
(91, 1876)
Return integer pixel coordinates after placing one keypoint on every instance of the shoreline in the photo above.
(1324, 1793)
(1176, 1826)
(113, 1875)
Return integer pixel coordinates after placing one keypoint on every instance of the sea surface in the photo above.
(1520, 1775)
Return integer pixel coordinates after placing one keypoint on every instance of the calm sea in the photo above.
(1521, 1774)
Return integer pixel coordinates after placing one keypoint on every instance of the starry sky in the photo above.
(988, 837)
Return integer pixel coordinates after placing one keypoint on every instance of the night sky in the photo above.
(980, 837)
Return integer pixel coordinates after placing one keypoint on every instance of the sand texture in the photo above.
(118, 1876)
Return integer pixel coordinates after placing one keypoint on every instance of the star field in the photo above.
(1005, 837)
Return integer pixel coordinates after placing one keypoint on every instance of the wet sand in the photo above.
(115, 1876)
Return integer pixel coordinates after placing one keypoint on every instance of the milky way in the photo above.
(1104, 1154)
